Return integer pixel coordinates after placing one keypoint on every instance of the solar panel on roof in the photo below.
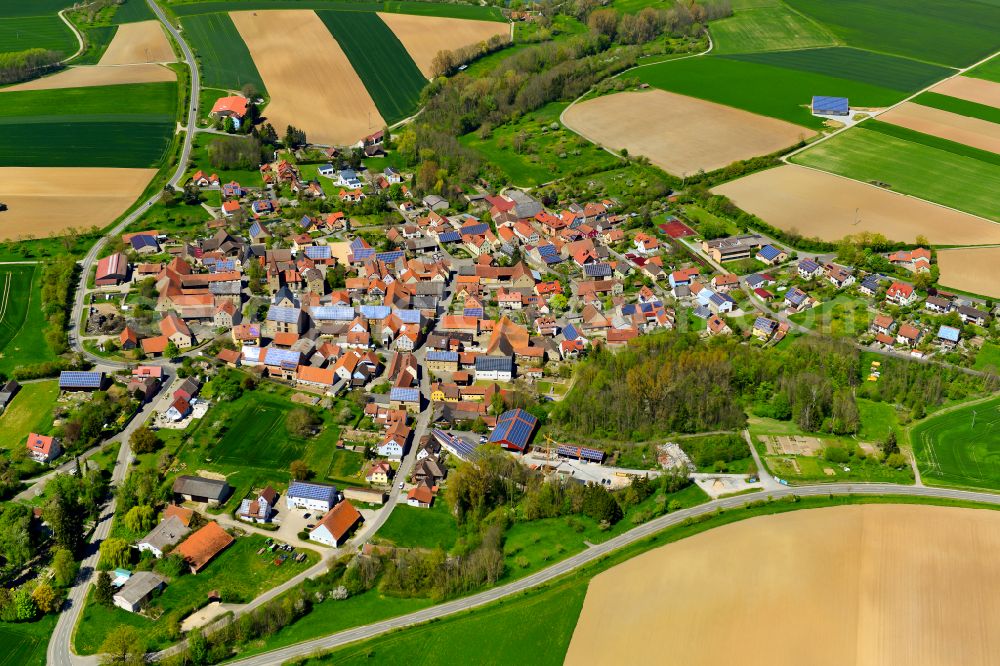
(282, 314)
(311, 490)
(275, 356)
(449, 237)
(547, 250)
(475, 229)
(580, 453)
(494, 363)
(332, 313)
(318, 252)
(597, 270)
(404, 394)
(409, 316)
(81, 378)
(363, 253)
(455, 444)
(570, 332)
(473, 312)
(139, 242)
(359, 244)
(223, 266)
(375, 311)
(435, 355)
(255, 229)
(389, 257)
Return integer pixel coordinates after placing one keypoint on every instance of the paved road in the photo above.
(590, 555)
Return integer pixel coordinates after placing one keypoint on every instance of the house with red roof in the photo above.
(43, 448)
(900, 293)
(233, 106)
(112, 270)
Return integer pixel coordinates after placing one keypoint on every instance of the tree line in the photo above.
(30, 63)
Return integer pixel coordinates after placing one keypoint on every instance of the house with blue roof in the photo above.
(721, 303)
(514, 430)
(311, 496)
(405, 398)
(870, 285)
(795, 298)
(764, 328)
(282, 319)
(809, 269)
(144, 244)
(948, 336)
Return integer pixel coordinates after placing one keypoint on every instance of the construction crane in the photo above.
(551, 447)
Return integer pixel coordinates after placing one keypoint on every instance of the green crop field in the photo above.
(25, 643)
(464, 11)
(769, 28)
(876, 69)
(132, 11)
(22, 320)
(962, 107)
(29, 411)
(954, 449)
(380, 60)
(109, 126)
(912, 163)
(446, 10)
(765, 89)
(43, 32)
(955, 32)
(98, 38)
(223, 57)
(989, 70)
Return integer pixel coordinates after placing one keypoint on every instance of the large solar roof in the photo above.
(77, 378)
(282, 314)
(318, 252)
(317, 491)
(404, 394)
(389, 257)
(449, 237)
(580, 453)
(375, 311)
(514, 429)
(409, 316)
(435, 355)
(494, 363)
(456, 445)
(275, 356)
(332, 313)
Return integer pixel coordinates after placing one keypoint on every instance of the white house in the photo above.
(333, 529)
(168, 533)
(494, 368)
(137, 590)
(311, 496)
(348, 178)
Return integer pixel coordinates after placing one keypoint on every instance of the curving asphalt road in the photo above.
(59, 649)
(590, 555)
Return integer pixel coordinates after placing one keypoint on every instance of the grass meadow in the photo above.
(412, 527)
(769, 90)
(960, 447)
(768, 28)
(955, 33)
(29, 411)
(223, 56)
(22, 320)
(988, 357)
(935, 169)
(380, 60)
(43, 32)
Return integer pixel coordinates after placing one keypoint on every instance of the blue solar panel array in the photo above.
(316, 491)
(306, 222)
(255, 229)
(140, 242)
(375, 311)
(284, 315)
(332, 313)
(473, 312)
(80, 379)
(580, 453)
(475, 229)
(764, 324)
(494, 364)
(570, 332)
(409, 316)
(318, 252)
(514, 429)
(362, 254)
(359, 244)
(404, 394)
(449, 237)
(456, 445)
(446, 356)
(547, 250)
(282, 357)
(390, 257)
(769, 252)
(223, 266)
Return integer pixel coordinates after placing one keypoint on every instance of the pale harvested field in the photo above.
(973, 132)
(45, 200)
(424, 36)
(681, 134)
(139, 42)
(311, 82)
(82, 77)
(971, 269)
(815, 203)
(867, 585)
(973, 90)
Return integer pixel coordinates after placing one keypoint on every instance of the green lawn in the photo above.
(941, 171)
(877, 420)
(877, 69)
(29, 411)
(843, 316)
(548, 150)
(988, 357)
(380, 60)
(26, 642)
(960, 106)
(961, 447)
(23, 322)
(200, 160)
(181, 219)
(767, 89)
(769, 28)
(256, 437)
(224, 58)
(956, 33)
(411, 527)
(238, 573)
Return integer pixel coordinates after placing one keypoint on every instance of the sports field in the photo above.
(380, 60)
(850, 585)
(967, 130)
(44, 200)
(818, 204)
(955, 33)
(223, 57)
(971, 269)
(967, 88)
(765, 89)
(914, 163)
(770, 27)
(961, 447)
(448, 34)
(29, 411)
(678, 133)
(140, 42)
(327, 99)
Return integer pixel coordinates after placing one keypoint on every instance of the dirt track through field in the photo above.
(84, 77)
(43, 200)
(815, 203)
(973, 132)
(139, 42)
(971, 89)
(424, 36)
(971, 269)
(869, 585)
(311, 82)
(681, 134)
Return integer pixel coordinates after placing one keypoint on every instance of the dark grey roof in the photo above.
(138, 587)
(198, 486)
(167, 533)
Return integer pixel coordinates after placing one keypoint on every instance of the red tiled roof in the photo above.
(199, 548)
(340, 519)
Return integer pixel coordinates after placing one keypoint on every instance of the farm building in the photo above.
(313, 496)
(137, 590)
(336, 524)
(830, 106)
(514, 430)
(201, 547)
(78, 380)
(234, 106)
(112, 270)
(167, 533)
(200, 489)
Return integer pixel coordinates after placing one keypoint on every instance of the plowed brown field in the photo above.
(139, 42)
(973, 132)
(311, 82)
(45, 200)
(868, 585)
(971, 269)
(424, 36)
(815, 203)
(81, 77)
(973, 90)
